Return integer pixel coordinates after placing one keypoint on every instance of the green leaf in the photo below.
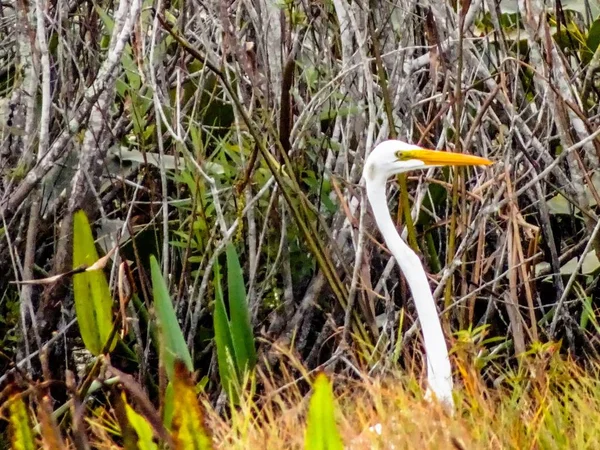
(189, 431)
(342, 112)
(593, 37)
(106, 19)
(587, 312)
(21, 430)
(560, 205)
(240, 326)
(142, 428)
(321, 430)
(93, 302)
(172, 344)
(170, 162)
(223, 341)
(131, 70)
(590, 265)
(169, 409)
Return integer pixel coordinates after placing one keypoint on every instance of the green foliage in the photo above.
(169, 402)
(589, 313)
(545, 401)
(189, 431)
(141, 427)
(198, 128)
(321, 429)
(93, 301)
(234, 338)
(593, 36)
(476, 343)
(9, 318)
(172, 343)
(21, 430)
(223, 341)
(242, 336)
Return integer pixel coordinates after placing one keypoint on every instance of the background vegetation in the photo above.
(227, 139)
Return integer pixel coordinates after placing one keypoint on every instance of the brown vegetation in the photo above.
(180, 128)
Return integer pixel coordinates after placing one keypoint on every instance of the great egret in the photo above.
(390, 158)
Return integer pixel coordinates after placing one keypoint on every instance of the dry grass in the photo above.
(546, 404)
(546, 401)
(305, 89)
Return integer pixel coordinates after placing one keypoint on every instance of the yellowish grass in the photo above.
(544, 401)
(549, 402)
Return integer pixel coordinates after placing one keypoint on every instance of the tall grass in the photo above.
(230, 140)
(545, 402)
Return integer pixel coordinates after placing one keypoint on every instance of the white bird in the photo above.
(390, 158)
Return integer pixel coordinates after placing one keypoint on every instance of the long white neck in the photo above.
(439, 372)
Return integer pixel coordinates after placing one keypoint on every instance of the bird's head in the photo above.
(392, 157)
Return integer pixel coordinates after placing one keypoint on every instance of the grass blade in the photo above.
(241, 329)
(128, 434)
(173, 344)
(223, 341)
(321, 430)
(142, 428)
(93, 302)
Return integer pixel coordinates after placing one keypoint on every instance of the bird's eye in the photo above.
(403, 155)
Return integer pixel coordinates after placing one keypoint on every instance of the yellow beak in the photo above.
(439, 158)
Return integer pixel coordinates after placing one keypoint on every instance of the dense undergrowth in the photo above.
(216, 150)
(545, 402)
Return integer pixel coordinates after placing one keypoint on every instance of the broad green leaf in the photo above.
(560, 205)
(93, 302)
(131, 70)
(170, 162)
(139, 108)
(223, 341)
(189, 431)
(321, 430)
(106, 19)
(21, 436)
(589, 265)
(142, 428)
(172, 343)
(342, 112)
(593, 37)
(241, 329)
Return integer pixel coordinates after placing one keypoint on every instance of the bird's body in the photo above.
(387, 159)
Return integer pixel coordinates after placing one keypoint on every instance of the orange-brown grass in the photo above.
(546, 403)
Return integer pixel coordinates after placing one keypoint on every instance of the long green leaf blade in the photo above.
(321, 431)
(241, 328)
(93, 302)
(223, 341)
(21, 430)
(189, 431)
(173, 344)
(142, 428)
